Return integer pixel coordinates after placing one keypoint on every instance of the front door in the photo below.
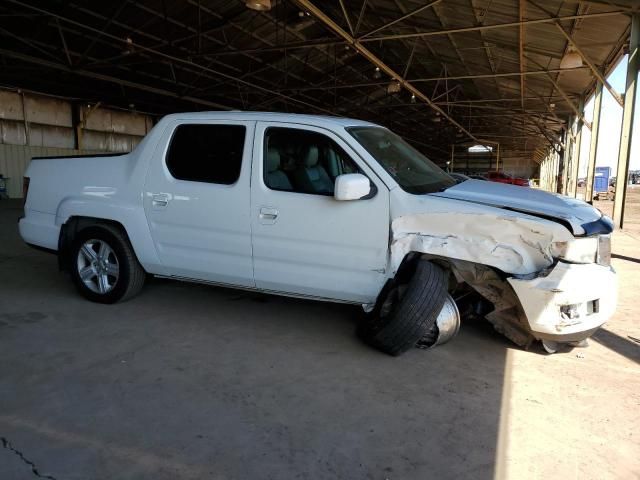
(196, 200)
(304, 241)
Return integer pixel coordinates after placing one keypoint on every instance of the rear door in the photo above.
(196, 200)
(304, 241)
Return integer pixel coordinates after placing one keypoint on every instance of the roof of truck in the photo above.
(273, 117)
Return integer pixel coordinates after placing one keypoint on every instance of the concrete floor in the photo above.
(188, 381)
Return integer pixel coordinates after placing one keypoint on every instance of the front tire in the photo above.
(104, 266)
(412, 314)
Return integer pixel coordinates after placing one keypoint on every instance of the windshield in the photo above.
(414, 172)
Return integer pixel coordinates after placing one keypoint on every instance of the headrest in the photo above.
(273, 160)
(311, 156)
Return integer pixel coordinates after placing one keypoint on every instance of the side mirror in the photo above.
(351, 186)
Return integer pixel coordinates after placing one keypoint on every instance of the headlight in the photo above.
(604, 250)
(579, 250)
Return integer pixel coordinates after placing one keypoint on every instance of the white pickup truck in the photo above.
(330, 209)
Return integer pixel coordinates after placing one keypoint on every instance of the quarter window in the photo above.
(206, 153)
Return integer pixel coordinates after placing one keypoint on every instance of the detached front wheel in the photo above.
(409, 311)
(103, 265)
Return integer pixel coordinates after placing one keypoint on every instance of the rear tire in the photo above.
(104, 266)
(413, 315)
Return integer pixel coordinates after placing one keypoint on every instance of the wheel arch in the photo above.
(77, 223)
(126, 213)
(508, 316)
(407, 266)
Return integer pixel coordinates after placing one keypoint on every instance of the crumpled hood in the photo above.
(583, 218)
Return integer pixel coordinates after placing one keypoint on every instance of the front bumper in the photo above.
(570, 302)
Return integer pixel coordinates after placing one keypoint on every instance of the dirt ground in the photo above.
(195, 382)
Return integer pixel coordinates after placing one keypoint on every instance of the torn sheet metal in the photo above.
(515, 244)
(508, 317)
(570, 298)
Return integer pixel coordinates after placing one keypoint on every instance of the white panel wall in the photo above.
(14, 160)
(37, 126)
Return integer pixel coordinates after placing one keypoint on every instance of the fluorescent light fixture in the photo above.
(259, 5)
(480, 149)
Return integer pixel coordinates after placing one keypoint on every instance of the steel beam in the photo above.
(321, 42)
(64, 43)
(491, 27)
(628, 5)
(567, 157)
(596, 72)
(568, 100)
(626, 134)
(178, 60)
(185, 63)
(361, 16)
(452, 156)
(28, 43)
(528, 113)
(438, 79)
(504, 44)
(500, 100)
(114, 15)
(366, 53)
(593, 149)
(108, 78)
(521, 51)
(402, 18)
(574, 171)
(345, 14)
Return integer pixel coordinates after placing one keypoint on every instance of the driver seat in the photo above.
(311, 177)
(276, 178)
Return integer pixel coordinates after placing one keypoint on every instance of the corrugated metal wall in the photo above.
(36, 125)
(15, 158)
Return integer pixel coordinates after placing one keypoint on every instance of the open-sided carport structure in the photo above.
(512, 75)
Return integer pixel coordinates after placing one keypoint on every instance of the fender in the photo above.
(104, 205)
(512, 244)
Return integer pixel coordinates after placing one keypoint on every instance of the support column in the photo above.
(557, 177)
(626, 136)
(547, 183)
(575, 165)
(452, 156)
(27, 129)
(568, 156)
(593, 149)
(76, 120)
(560, 164)
(547, 169)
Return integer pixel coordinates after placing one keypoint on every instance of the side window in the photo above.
(206, 153)
(303, 161)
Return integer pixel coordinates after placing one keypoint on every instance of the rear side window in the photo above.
(206, 153)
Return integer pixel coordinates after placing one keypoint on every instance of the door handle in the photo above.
(268, 215)
(159, 199)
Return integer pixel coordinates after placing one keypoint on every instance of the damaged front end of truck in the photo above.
(542, 261)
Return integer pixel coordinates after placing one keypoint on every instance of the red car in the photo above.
(504, 178)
